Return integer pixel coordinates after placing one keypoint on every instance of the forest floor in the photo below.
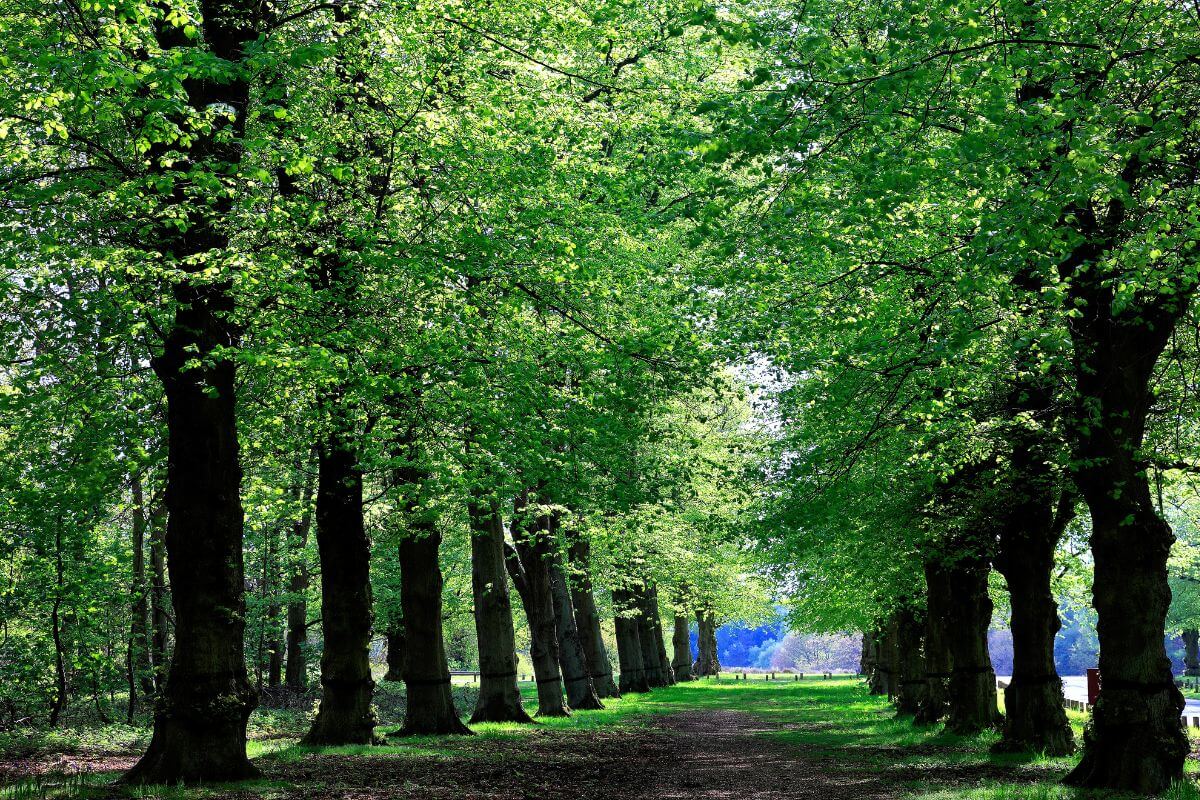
(710, 740)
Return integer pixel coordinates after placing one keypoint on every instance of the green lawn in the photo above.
(834, 724)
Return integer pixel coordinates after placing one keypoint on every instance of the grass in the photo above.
(831, 721)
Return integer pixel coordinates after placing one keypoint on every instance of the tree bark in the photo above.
(345, 715)
(587, 618)
(430, 703)
(1135, 740)
(877, 675)
(581, 692)
(656, 676)
(397, 652)
(200, 718)
(935, 701)
(1191, 652)
(296, 674)
(200, 721)
(629, 646)
(274, 646)
(499, 697)
(528, 563)
(159, 619)
(707, 663)
(681, 643)
(889, 656)
(140, 671)
(659, 637)
(1034, 718)
(911, 683)
(972, 696)
(61, 693)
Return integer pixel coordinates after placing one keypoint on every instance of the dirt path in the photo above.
(702, 755)
(694, 755)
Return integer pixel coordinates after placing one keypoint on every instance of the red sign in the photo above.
(1093, 676)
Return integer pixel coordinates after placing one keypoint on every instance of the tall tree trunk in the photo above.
(61, 694)
(159, 619)
(274, 646)
(296, 675)
(397, 652)
(581, 693)
(528, 563)
(877, 679)
(972, 697)
(681, 643)
(587, 618)
(707, 663)
(140, 673)
(430, 703)
(659, 638)
(1135, 740)
(1191, 652)
(200, 722)
(890, 656)
(1034, 718)
(345, 715)
(200, 718)
(910, 691)
(935, 701)
(629, 646)
(499, 696)
(1037, 507)
(655, 674)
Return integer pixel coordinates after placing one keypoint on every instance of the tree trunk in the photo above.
(200, 719)
(935, 701)
(397, 653)
(581, 693)
(140, 672)
(865, 660)
(1034, 718)
(911, 686)
(877, 676)
(659, 638)
(499, 697)
(1135, 741)
(1191, 649)
(889, 656)
(296, 675)
(707, 664)
(345, 715)
(681, 643)
(430, 703)
(655, 674)
(972, 697)
(159, 619)
(528, 562)
(274, 646)
(629, 646)
(587, 617)
(60, 657)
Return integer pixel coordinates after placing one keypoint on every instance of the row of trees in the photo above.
(965, 270)
(485, 264)
(295, 294)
